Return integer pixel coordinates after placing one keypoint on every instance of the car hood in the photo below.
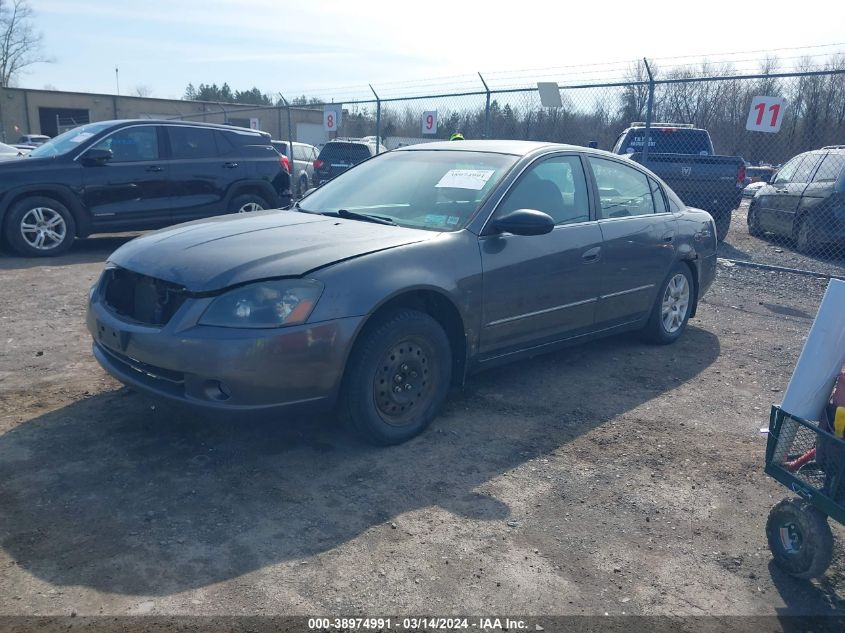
(215, 253)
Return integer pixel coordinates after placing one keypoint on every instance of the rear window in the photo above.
(346, 152)
(831, 168)
(666, 141)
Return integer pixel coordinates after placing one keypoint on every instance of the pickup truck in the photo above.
(683, 157)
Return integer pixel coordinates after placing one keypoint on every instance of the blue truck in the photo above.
(683, 156)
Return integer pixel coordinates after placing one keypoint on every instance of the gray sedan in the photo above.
(398, 279)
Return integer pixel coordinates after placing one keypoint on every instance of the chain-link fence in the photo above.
(763, 153)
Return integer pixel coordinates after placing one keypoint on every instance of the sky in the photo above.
(326, 47)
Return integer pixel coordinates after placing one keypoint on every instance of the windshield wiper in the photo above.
(366, 217)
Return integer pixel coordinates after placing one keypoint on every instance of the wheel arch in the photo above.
(59, 193)
(260, 188)
(439, 306)
(693, 268)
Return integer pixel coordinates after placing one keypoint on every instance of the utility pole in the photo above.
(117, 80)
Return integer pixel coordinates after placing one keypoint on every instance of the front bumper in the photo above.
(224, 369)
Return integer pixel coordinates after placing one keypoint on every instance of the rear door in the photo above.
(133, 189)
(789, 192)
(199, 171)
(542, 288)
(638, 232)
(767, 200)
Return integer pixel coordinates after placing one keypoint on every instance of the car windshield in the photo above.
(68, 141)
(427, 189)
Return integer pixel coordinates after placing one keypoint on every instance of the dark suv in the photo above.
(133, 175)
(339, 155)
(805, 200)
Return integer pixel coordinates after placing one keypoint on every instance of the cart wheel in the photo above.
(800, 538)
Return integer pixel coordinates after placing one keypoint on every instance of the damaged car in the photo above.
(399, 278)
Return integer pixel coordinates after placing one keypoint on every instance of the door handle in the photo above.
(591, 255)
(230, 165)
(155, 168)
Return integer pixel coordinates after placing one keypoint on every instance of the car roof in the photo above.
(218, 126)
(517, 148)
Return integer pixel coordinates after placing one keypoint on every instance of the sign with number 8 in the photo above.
(429, 122)
(765, 114)
(331, 118)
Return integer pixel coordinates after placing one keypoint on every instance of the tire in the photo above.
(40, 227)
(723, 224)
(803, 236)
(303, 186)
(799, 538)
(754, 229)
(247, 203)
(672, 307)
(407, 351)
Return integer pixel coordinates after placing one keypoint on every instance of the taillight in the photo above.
(740, 175)
(318, 164)
(284, 161)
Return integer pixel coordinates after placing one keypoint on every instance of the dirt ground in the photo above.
(613, 478)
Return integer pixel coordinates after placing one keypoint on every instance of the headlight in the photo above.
(265, 304)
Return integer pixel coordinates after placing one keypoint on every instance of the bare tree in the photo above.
(142, 90)
(20, 44)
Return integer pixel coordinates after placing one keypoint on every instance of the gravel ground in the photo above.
(614, 478)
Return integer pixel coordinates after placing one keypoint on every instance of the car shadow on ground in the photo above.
(805, 597)
(87, 251)
(123, 495)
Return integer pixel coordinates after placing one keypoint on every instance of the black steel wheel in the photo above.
(397, 377)
(799, 538)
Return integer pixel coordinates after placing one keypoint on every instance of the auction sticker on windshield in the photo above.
(466, 178)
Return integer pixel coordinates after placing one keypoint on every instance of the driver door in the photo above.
(542, 288)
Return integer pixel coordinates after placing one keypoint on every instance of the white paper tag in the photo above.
(465, 178)
(81, 137)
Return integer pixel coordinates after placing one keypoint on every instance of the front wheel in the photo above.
(754, 228)
(40, 227)
(397, 378)
(805, 242)
(672, 308)
(799, 538)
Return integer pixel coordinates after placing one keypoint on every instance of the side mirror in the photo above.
(593, 144)
(524, 222)
(96, 156)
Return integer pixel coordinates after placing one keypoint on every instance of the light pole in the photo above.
(117, 80)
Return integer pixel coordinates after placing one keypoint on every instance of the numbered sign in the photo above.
(766, 114)
(429, 122)
(331, 118)
(253, 123)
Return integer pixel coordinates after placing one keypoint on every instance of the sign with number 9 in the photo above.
(429, 122)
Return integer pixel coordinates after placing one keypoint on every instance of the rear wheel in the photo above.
(672, 307)
(40, 227)
(799, 538)
(397, 378)
(804, 239)
(723, 224)
(247, 203)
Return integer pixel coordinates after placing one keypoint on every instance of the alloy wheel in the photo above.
(43, 228)
(675, 303)
(249, 207)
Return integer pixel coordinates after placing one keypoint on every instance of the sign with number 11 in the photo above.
(766, 114)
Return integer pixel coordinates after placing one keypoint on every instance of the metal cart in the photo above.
(809, 460)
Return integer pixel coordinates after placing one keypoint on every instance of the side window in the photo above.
(192, 142)
(805, 170)
(556, 186)
(830, 169)
(623, 191)
(786, 172)
(659, 199)
(132, 144)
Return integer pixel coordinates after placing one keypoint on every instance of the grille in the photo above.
(140, 298)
